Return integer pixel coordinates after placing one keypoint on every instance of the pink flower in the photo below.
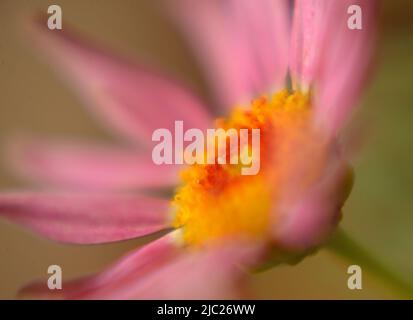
(221, 221)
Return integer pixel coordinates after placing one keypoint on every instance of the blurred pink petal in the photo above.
(310, 211)
(347, 63)
(73, 166)
(337, 59)
(135, 265)
(131, 98)
(212, 274)
(264, 27)
(85, 218)
(242, 44)
(309, 24)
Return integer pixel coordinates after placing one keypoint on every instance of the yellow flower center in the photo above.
(216, 201)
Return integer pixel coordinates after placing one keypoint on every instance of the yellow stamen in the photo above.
(215, 201)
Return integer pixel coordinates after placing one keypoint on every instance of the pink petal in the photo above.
(134, 265)
(71, 165)
(308, 32)
(217, 273)
(130, 98)
(213, 274)
(264, 26)
(347, 64)
(85, 218)
(326, 53)
(242, 44)
(310, 207)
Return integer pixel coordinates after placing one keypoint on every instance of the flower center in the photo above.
(216, 201)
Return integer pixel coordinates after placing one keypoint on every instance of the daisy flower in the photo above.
(293, 70)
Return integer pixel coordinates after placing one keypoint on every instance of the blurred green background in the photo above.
(379, 213)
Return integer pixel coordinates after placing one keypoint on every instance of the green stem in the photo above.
(346, 247)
